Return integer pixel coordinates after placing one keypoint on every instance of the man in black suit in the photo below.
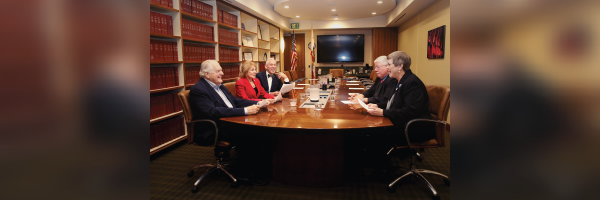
(270, 80)
(383, 88)
(209, 99)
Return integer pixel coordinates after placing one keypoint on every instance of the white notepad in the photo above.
(364, 105)
(353, 81)
(351, 84)
(314, 79)
(349, 102)
(298, 88)
(352, 94)
(357, 88)
(302, 84)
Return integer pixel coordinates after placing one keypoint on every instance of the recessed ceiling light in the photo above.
(335, 18)
(286, 6)
(380, 2)
(374, 13)
(297, 16)
(333, 9)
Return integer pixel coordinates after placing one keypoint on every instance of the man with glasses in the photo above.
(383, 87)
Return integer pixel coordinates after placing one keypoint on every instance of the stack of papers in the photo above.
(357, 88)
(353, 81)
(349, 102)
(364, 105)
(352, 84)
(287, 87)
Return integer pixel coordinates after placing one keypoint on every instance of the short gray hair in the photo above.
(381, 60)
(207, 66)
(271, 59)
(400, 58)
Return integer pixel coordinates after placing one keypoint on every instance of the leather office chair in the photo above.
(439, 104)
(294, 75)
(221, 145)
(231, 87)
(337, 72)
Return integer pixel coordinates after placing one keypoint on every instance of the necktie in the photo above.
(381, 81)
(268, 75)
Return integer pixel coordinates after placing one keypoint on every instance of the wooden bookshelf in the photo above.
(197, 40)
(163, 8)
(168, 144)
(197, 18)
(166, 62)
(227, 27)
(152, 121)
(164, 36)
(248, 32)
(230, 45)
(165, 89)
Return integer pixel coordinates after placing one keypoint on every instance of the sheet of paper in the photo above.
(262, 103)
(313, 79)
(287, 87)
(278, 97)
(352, 94)
(364, 105)
(302, 84)
(298, 88)
(352, 84)
(353, 81)
(349, 102)
(357, 88)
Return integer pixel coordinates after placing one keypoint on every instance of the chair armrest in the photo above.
(419, 120)
(213, 123)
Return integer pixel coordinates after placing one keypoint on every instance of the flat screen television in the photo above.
(340, 48)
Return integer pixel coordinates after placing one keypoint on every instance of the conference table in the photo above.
(308, 143)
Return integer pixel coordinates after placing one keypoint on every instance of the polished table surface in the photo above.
(335, 115)
(309, 147)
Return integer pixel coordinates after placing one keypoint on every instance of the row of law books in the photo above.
(227, 18)
(195, 30)
(229, 54)
(163, 51)
(166, 131)
(161, 23)
(198, 52)
(228, 37)
(167, 3)
(197, 8)
(163, 105)
(163, 77)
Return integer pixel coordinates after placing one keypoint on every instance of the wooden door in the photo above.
(287, 54)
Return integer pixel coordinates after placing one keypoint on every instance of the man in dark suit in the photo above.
(270, 80)
(209, 99)
(383, 88)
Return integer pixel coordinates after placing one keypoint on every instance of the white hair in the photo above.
(382, 60)
(271, 59)
(208, 66)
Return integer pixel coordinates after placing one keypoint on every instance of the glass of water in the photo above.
(302, 95)
(332, 98)
(293, 102)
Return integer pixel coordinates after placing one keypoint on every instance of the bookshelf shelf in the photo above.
(248, 32)
(197, 40)
(165, 89)
(165, 117)
(166, 62)
(164, 36)
(225, 26)
(197, 18)
(162, 8)
(273, 52)
(230, 61)
(168, 144)
(230, 45)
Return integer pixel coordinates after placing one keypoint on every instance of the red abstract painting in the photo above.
(435, 42)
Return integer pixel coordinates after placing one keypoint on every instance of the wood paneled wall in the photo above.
(385, 41)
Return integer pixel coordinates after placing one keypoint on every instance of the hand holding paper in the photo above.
(364, 105)
(287, 87)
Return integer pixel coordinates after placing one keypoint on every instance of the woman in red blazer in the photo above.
(248, 86)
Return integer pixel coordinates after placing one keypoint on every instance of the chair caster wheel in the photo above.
(234, 185)
(191, 173)
(435, 197)
(419, 159)
(194, 189)
(391, 189)
(447, 181)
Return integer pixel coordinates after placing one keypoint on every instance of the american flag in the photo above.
(294, 54)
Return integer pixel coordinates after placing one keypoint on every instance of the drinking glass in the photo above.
(293, 102)
(332, 98)
(302, 95)
(336, 91)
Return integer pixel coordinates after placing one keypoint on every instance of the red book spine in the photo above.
(164, 24)
(175, 53)
(151, 23)
(151, 52)
(169, 103)
(161, 106)
(170, 25)
(160, 57)
(152, 109)
(219, 15)
(170, 77)
(176, 76)
(151, 80)
(199, 12)
(170, 3)
(194, 10)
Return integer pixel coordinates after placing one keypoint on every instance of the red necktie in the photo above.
(381, 81)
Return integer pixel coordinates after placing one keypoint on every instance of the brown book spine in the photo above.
(170, 3)
(175, 52)
(164, 24)
(151, 52)
(170, 23)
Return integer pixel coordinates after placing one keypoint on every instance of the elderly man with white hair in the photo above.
(383, 87)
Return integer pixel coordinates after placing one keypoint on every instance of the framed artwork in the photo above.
(436, 39)
(249, 42)
(247, 56)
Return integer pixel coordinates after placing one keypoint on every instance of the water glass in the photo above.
(302, 95)
(293, 102)
(336, 91)
(332, 98)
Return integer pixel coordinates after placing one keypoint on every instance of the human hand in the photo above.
(281, 76)
(372, 106)
(252, 109)
(376, 112)
(271, 101)
(274, 93)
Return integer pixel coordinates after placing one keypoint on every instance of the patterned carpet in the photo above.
(168, 179)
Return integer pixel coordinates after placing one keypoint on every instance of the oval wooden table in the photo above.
(308, 144)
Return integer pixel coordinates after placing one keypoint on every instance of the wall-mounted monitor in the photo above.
(340, 48)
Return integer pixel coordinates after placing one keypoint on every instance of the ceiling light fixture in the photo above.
(297, 16)
(333, 9)
(380, 2)
(335, 18)
(286, 6)
(374, 13)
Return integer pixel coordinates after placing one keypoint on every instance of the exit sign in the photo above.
(295, 26)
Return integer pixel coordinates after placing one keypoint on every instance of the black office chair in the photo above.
(222, 148)
(439, 105)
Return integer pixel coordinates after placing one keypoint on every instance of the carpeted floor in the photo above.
(168, 179)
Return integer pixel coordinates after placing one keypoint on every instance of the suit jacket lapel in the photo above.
(214, 93)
